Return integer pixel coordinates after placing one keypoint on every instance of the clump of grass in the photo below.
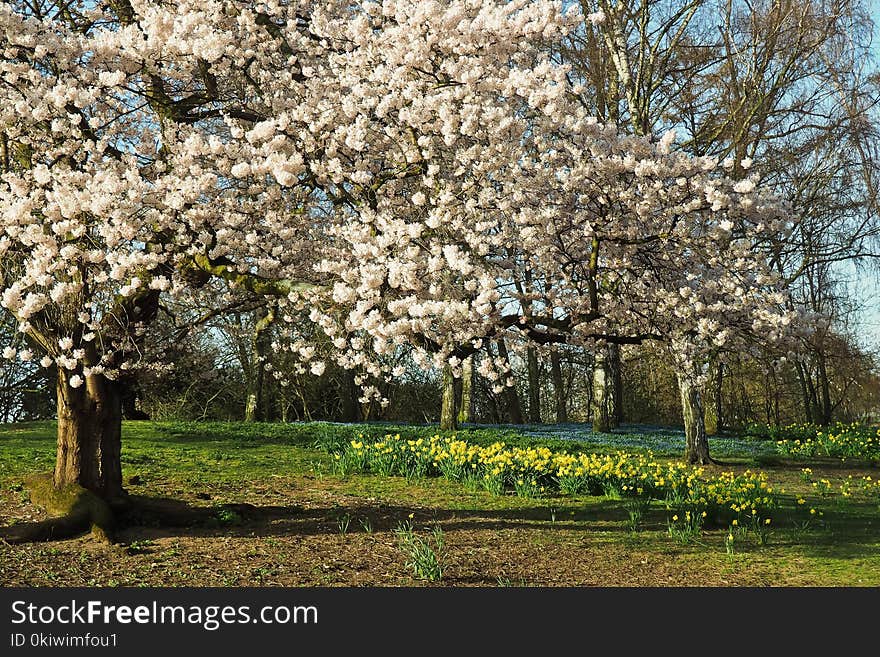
(685, 526)
(422, 558)
(729, 542)
(635, 509)
(226, 516)
(761, 529)
(342, 522)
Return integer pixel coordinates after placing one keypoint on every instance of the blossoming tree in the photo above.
(405, 172)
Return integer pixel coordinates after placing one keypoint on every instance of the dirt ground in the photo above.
(306, 532)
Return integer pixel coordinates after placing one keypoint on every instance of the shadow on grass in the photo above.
(169, 516)
(850, 535)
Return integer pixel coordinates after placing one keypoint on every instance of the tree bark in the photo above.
(514, 410)
(534, 386)
(615, 374)
(719, 400)
(254, 407)
(693, 414)
(805, 395)
(90, 436)
(601, 406)
(448, 410)
(558, 387)
(466, 407)
(825, 391)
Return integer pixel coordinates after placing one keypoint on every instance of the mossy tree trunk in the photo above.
(450, 402)
(255, 405)
(90, 436)
(602, 410)
(693, 414)
(466, 407)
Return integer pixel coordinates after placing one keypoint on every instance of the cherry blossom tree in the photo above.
(622, 240)
(395, 170)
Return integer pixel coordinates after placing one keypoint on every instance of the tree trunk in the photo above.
(815, 413)
(805, 395)
(719, 400)
(615, 376)
(825, 391)
(696, 441)
(448, 414)
(558, 388)
(534, 386)
(254, 407)
(601, 406)
(90, 436)
(466, 407)
(514, 410)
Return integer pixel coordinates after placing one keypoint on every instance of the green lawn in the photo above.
(262, 505)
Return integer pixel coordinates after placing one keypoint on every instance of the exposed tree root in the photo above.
(74, 511)
(706, 460)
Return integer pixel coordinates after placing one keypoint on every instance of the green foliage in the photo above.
(635, 510)
(246, 460)
(140, 547)
(843, 441)
(686, 527)
(424, 555)
(227, 516)
(535, 472)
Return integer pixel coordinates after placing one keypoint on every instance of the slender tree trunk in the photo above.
(534, 386)
(601, 406)
(776, 417)
(448, 410)
(90, 436)
(254, 408)
(466, 408)
(615, 375)
(825, 391)
(719, 400)
(514, 410)
(696, 441)
(805, 395)
(558, 388)
(815, 413)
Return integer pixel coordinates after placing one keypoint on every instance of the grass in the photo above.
(265, 508)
